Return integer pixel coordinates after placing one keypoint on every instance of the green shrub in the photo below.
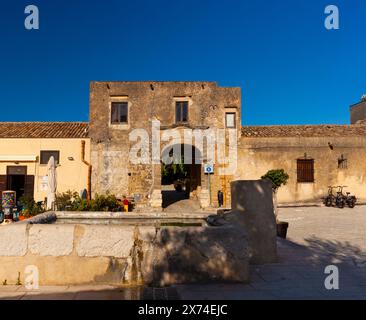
(71, 201)
(30, 207)
(66, 201)
(278, 178)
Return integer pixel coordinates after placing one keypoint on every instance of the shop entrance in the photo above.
(18, 181)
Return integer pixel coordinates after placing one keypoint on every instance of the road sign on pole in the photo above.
(208, 168)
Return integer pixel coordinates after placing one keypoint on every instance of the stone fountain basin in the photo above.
(74, 254)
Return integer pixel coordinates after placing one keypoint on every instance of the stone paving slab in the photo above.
(317, 237)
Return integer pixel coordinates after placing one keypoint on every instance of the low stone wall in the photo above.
(85, 254)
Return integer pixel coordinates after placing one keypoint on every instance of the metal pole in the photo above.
(209, 187)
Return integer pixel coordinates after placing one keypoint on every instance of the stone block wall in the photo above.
(148, 101)
(122, 255)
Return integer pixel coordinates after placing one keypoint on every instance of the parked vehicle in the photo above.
(339, 200)
(349, 200)
(330, 199)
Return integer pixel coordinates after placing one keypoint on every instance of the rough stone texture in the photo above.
(198, 254)
(106, 241)
(13, 240)
(119, 255)
(51, 240)
(252, 208)
(147, 101)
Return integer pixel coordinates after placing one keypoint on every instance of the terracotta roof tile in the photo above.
(44, 129)
(304, 131)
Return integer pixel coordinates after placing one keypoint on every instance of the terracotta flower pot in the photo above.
(21, 218)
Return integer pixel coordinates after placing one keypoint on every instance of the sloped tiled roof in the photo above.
(304, 131)
(44, 129)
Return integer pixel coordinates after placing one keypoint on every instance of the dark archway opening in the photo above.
(181, 179)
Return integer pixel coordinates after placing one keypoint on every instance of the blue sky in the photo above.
(291, 69)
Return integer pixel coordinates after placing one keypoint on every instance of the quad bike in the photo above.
(343, 200)
(330, 199)
(350, 200)
(340, 200)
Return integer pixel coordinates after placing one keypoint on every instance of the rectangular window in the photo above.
(342, 162)
(230, 120)
(119, 113)
(47, 154)
(305, 170)
(181, 111)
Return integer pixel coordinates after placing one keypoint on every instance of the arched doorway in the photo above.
(181, 175)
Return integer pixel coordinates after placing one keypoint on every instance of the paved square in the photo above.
(317, 237)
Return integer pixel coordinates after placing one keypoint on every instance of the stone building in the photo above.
(129, 118)
(117, 109)
(315, 156)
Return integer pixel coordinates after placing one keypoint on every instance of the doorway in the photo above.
(181, 180)
(16, 180)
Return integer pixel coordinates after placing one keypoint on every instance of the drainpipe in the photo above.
(89, 168)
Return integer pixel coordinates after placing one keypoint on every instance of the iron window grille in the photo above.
(342, 162)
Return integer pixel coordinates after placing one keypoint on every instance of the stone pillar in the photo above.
(252, 207)
(204, 198)
(156, 199)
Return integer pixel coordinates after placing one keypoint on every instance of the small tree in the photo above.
(278, 178)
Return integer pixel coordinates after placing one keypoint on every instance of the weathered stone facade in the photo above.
(259, 148)
(279, 147)
(148, 102)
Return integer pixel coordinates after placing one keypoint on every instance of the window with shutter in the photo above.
(305, 170)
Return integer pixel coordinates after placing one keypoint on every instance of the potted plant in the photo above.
(278, 177)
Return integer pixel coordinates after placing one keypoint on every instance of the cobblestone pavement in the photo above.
(317, 237)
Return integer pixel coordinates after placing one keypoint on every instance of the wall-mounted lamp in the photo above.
(71, 158)
(330, 146)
